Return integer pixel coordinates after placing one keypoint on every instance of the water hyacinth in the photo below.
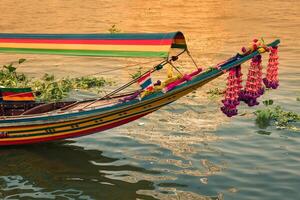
(47, 89)
(276, 115)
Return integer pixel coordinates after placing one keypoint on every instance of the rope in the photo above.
(162, 63)
(175, 68)
(190, 55)
(106, 71)
(126, 66)
(124, 86)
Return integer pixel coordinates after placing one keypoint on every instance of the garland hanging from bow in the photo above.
(253, 89)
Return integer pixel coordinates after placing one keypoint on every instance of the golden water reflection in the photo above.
(214, 30)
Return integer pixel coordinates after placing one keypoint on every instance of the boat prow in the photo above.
(61, 120)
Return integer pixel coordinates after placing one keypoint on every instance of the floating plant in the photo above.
(48, 88)
(277, 115)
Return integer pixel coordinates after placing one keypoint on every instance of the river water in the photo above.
(187, 150)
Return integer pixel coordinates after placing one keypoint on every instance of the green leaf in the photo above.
(113, 29)
(21, 60)
(268, 102)
(10, 68)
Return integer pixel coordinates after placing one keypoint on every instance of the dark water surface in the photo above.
(187, 150)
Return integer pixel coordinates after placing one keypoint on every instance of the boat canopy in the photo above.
(102, 45)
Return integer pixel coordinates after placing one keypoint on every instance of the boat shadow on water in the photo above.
(59, 170)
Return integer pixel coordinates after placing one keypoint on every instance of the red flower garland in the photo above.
(271, 80)
(234, 85)
(253, 88)
(254, 84)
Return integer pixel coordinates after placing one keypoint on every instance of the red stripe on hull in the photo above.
(71, 135)
(91, 41)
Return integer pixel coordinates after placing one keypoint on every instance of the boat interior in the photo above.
(18, 108)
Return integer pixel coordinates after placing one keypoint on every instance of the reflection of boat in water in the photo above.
(53, 171)
(31, 122)
(47, 173)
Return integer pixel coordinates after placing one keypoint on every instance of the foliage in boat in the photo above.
(48, 88)
(275, 114)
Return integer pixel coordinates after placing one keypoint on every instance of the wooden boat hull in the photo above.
(74, 128)
(46, 127)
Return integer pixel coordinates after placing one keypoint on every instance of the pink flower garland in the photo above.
(253, 88)
(231, 99)
(254, 84)
(271, 80)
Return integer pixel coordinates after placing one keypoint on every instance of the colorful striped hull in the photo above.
(46, 127)
(75, 128)
(46, 137)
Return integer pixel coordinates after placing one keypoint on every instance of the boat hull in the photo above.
(26, 134)
(44, 128)
(72, 134)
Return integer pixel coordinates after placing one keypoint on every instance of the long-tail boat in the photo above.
(25, 121)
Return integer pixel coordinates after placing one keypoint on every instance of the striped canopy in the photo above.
(102, 45)
(16, 94)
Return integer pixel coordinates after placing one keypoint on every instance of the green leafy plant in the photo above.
(215, 93)
(21, 60)
(48, 88)
(137, 74)
(275, 114)
(10, 78)
(268, 102)
(88, 82)
(54, 90)
(113, 29)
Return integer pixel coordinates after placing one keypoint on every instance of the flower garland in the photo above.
(231, 99)
(253, 89)
(271, 79)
